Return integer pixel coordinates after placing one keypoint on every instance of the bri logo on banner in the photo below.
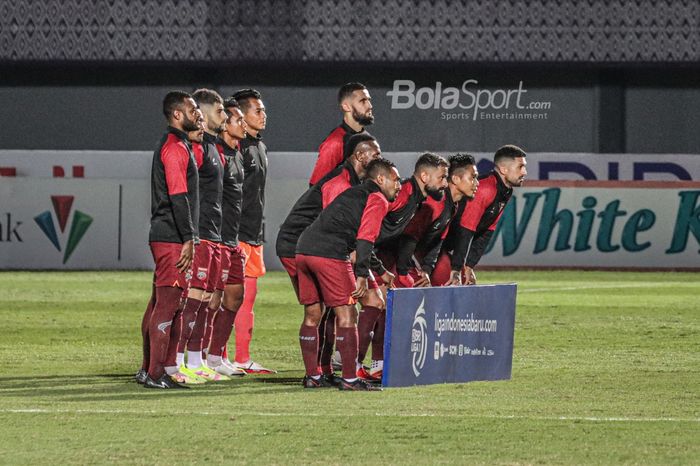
(419, 339)
(62, 208)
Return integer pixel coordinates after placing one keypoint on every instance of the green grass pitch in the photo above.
(606, 370)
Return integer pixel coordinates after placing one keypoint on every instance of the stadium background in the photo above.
(619, 78)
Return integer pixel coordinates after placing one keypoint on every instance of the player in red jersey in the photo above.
(469, 236)
(173, 232)
(356, 104)
(350, 223)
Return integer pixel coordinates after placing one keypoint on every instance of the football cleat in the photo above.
(332, 379)
(252, 367)
(164, 382)
(369, 376)
(209, 374)
(140, 376)
(358, 385)
(190, 373)
(227, 371)
(186, 379)
(310, 382)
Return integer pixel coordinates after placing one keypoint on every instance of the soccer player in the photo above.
(232, 275)
(174, 220)
(350, 223)
(356, 104)
(429, 180)
(363, 148)
(250, 231)
(468, 238)
(419, 245)
(206, 267)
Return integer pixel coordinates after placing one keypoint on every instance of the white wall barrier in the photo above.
(101, 221)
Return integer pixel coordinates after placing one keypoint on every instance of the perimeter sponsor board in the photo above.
(60, 224)
(449, 334)
(600, 224)
(298, 165)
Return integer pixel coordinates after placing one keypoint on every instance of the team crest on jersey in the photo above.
(188, 275)
(224, 275)
(202, 273)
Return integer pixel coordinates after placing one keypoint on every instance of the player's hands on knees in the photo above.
(423, 281)
(455, 278)
(388, 279)
(186, 256)
(353, 256)
(405, 281)
(360, 287)
(470, 276)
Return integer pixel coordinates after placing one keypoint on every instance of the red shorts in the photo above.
(389, 263)
(290, 265)
(442, 271)
(254, 263)
(203, 253)
(166, 255)
(331, 281)
(232, 266)
(214, 269)
(372, 282)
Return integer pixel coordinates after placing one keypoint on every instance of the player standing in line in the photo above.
(468, 238)
(363, 148)
(173, 232)
(429, 179)
(232, 275)
(420, 243)
(350, 223)
(205, 265)
(356, 104)
(250, 231)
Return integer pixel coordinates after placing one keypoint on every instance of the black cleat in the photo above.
(332, 379)
(310, 382)
(163, 382)
(358, 385)
(140, 376)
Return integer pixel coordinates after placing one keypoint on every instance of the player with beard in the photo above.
(232, 275)
(350, 223)
(173, 232)
(468, 238)
(429, 179)
(356, 104)
(363, 149)
(250, 231)
(203, 302)
(419, 245)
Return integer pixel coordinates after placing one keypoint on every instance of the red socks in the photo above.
(245, 319)
(144, 330)
(378, 338)
(221, 332)
(308, 341)
(326, 340)
(167, 302)
(194, 342)
(365, 324)
(346, 340)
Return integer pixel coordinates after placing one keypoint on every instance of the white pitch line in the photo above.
(596, 287)
(392, 415)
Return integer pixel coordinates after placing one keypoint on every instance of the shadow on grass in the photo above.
(106, 387)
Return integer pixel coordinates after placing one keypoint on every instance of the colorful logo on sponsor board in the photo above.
(62, 208)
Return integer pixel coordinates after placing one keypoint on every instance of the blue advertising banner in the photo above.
(449, 334)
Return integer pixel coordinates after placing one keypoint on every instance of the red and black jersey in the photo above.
(255, 168)
(309, 206)
(468, 238)
(401, 210)
(331, 152)
(350, 223)
(232, 194)
(211, 170)
(174, 190)
(425, 233)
